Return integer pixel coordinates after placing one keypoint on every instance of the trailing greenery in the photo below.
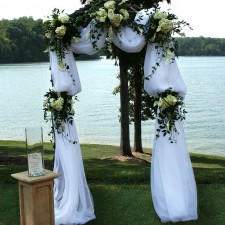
(169, 108)
(59, 105)
(121, 190)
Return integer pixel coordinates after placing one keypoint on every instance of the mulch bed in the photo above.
(17, 160)
(138, 158)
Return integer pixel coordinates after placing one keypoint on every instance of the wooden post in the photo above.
(36, 198)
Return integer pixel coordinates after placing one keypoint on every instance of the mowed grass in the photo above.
(121, 190)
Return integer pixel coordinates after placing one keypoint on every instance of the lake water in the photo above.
(96, 118)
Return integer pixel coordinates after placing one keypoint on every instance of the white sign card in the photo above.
(35, 163)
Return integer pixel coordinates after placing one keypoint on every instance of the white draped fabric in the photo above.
(72, 198)
(173, 184)
(129, 40)
(67, 78)
(84, 44)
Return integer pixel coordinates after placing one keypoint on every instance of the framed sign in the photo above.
(35, 151)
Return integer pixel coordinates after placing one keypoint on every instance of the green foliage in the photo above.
(201, 46)
(21, 40)
(136, 84)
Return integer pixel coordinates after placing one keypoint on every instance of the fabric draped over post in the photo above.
(173, 184)
(84, 45)
(73, 200)
(172, 179)
(129, 40)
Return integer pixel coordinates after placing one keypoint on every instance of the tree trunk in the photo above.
(137, 114)
(124, 108)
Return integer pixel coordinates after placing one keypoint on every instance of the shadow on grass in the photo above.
(114, 172)
(208, 160)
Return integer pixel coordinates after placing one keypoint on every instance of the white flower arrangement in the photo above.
(169, 108)
(60, 28)
(160, 30)
(58, 106)
(111, 14)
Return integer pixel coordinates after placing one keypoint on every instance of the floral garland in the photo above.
(111, 14)
(169, 108)
(160, 30)
(60, 28)
(58, 105)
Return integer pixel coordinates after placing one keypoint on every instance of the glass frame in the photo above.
(35, 151)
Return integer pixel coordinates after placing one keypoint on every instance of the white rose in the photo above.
(57, 104)
(125, 14)
(52, 100)
(160, 15)
(101, 15)
(110, 5)
(63, 17)
(116, 20)
(102, 12)
(111, 14)
(165, 26)
(60, 31)
(171, 100)
(164, 103)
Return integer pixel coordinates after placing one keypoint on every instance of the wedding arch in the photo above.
(128, 27)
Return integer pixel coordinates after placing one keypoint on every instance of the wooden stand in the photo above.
(36, 198)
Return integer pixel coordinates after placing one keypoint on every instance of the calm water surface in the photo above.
(23, 87)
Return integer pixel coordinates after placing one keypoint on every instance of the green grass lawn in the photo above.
(121, 190)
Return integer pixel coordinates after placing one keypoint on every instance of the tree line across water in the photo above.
(22, 41)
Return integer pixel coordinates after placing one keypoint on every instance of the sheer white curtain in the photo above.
(84, 45)
(173, 186)
(129, 40)
(65, 79)
(73, 200)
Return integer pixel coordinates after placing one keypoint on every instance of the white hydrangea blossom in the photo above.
(164, 103)
(116, 20)
(110, 5)
(60, 31)
(101, 15)
(160, 15)
(63, 17)
(165, 26)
